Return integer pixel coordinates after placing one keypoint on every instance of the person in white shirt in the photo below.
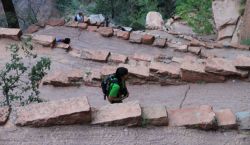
(79, 17)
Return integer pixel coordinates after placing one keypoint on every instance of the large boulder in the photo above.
(118, 114)
(55, 22)
(96, 19)
(44, 40)
(154, 115)
(4, 114)
(194, 71)
(223, 67)
(95, 55)
(225, 12)
(106, 31)
(201, 117)
(62, 112)
(10, 33)
(154, 20)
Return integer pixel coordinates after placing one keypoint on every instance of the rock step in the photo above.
(10, 33)
(62, 112)
(78, 111)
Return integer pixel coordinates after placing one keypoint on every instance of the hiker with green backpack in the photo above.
(114, 86)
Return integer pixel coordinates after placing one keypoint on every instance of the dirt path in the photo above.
(84, 135)
(233, 95)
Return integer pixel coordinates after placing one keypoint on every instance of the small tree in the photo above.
(10, 13)
(19, 82)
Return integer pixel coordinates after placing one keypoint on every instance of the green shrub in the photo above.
(132, 12)
(246, 42)
(19, 82)
(242, 6)
(198, 14)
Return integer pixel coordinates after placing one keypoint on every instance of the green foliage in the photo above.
(18, 81)
(246, 42)
(242, 6)
(198, 14)
(68, 7)
(132, 12)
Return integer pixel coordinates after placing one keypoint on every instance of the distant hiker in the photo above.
(106, 22)
(79, 17)
(114, 86)
(65, 40)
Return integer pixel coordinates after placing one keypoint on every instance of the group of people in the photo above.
(114, 85)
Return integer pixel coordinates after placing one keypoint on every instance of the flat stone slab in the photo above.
(10, 33)
(201, 117)
(193, 71)
(123, 34)
(148, 39)
(142, 57)
(55, 22)
(154, 115)
(133, 70)
(72, 24)
(82, 25)
(242, 62)
(182, 48)
(99, 56)
(226, 119)
(106, 31)
(160, 42)
(62, 112)
(135, 37)
(118, 58)
(243, 119)
(118, 114)
(4, 114)
(63, 46)
(64, 79)
(44, 40)
(172, 70)
(195, 50)
(223, 67)
(92, 28)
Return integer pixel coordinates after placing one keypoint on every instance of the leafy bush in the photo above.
(133, 12)
(20, 82)
(68, 7)
(246, 42)
(242, 6)
(198, 14)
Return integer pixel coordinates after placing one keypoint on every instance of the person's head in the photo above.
(121, 73)
(80, 14)
(66, 40)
